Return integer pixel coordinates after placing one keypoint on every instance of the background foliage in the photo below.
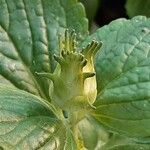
(101, 12)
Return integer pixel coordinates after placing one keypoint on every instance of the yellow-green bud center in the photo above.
(74, 86)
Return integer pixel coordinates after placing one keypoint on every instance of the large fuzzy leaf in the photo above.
(123, 77)
(28, 123)
(28, 38)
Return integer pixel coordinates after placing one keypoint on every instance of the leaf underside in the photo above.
(123, 76)
(27, 123)
(28, 39)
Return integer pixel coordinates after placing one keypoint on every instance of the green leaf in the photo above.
(139, 7)
(122, 143)
(92, 135)
(123, 77)
(28, 123)
(91, 5)
(28, 38)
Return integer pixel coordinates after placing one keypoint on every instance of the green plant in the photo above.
(138, 8)
(50, 97)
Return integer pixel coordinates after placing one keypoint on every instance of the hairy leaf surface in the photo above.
(27, 123)
(28, 38)
(123, 76)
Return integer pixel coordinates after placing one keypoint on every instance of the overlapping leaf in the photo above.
(27, 123)
(123, 77)
(93, 135)
(28, 38)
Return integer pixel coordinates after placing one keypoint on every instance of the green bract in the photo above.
(74, 86)
(59, 91)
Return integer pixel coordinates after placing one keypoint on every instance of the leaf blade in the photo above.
(29, 32)
(26, 122)
(122, 68)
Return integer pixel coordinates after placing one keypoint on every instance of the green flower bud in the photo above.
(74, 87)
